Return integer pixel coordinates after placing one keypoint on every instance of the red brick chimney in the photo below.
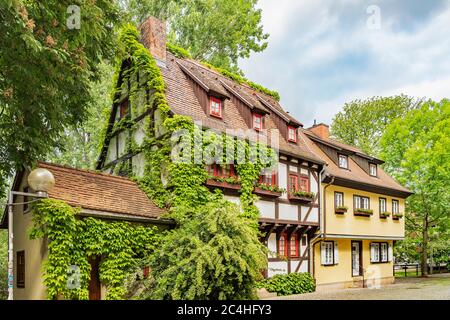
(153, 36)
(321, 129)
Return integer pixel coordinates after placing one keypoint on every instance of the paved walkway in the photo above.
(435, 287)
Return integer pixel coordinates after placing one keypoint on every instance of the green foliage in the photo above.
(217, 31)
(417, 152)
(80, 144)
(72, 241)
(361, 210)
(214, 255)
(341, 208)
(269, 187)
(241, 80)
(179, 52)
(287, 284)
(361, 123)
(39, 100)
(211, 231)
(303, 194)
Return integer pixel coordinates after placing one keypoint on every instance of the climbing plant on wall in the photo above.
(72, 241)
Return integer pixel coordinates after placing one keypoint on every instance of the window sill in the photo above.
(267, 193)
(216, 116)
(222, 184)
(380, 262)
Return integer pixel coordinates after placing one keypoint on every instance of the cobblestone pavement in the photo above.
(435, 287)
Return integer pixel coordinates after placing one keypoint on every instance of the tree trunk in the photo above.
(425, 247)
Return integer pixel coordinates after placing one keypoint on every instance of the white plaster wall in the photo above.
(314, 215)
(313, 185)
(112, 155)
(122, 143)
(266, 209)
(138, 162)
(287, 212)
(304, 171)
(294, 265)
(303, 248)
(233, 199)
(293, 169)
(303, 266)
(139, 133)
(282, 178)
(272, 245)
(276, 267)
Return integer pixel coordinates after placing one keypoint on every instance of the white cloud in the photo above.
(321, 54)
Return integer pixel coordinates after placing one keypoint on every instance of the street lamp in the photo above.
(41, 181)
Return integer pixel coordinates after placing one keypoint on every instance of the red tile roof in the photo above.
(354, 172)
(100, 191)
(182, 100)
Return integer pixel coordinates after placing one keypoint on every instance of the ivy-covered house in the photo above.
(216, 100)
(113, 216)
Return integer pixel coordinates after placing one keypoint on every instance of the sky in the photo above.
(323, 53)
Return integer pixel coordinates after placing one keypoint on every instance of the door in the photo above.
(94, 282)
(356, 258)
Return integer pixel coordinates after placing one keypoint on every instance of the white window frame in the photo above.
(339, 195)
(328, 258)
(345, 158)
(383, 200)
(396, 207)
(362, 202)
(371, 166)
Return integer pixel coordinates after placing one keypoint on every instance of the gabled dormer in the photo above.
(286, 124)
(209, 92)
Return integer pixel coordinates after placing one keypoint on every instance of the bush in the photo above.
(286, 284)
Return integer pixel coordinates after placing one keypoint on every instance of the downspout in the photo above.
(321, 235)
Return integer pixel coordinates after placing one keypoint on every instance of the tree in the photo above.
(361, 123)
(217, 31)
(417, 152)
(214, 255)
(80, 144)
(47, 65)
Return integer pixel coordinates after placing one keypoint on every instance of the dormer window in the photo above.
(257, 122)
(215, 107)
(292, 134)
(343, 161)
(373, 169)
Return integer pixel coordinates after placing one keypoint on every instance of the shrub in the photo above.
(286, 284)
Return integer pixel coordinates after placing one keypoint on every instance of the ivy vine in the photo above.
(72, 241)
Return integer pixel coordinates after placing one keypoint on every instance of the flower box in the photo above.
(300, 198)
(363, 212)
(384, 215)
(340, 210)
(267, 193)
(397, 216)
(222, 184)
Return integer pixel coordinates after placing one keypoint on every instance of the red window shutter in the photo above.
(146, 272)
(304, 184)
(123, 109)
(293, 183)
(292, 134)
(215, 107)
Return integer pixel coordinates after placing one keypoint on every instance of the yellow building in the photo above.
(362, 211)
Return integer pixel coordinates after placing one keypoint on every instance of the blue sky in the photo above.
(323, 53)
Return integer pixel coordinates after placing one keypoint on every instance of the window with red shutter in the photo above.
(293, 246)
(215, 107)
(282, 245)
(304, 184)
(292, 134)
(257, 121)
(293, 183)
(269, 179)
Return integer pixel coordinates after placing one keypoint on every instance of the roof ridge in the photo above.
(85, 171)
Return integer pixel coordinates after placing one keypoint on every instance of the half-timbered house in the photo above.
(288, 218)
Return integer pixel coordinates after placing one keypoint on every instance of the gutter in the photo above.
(321, 235)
